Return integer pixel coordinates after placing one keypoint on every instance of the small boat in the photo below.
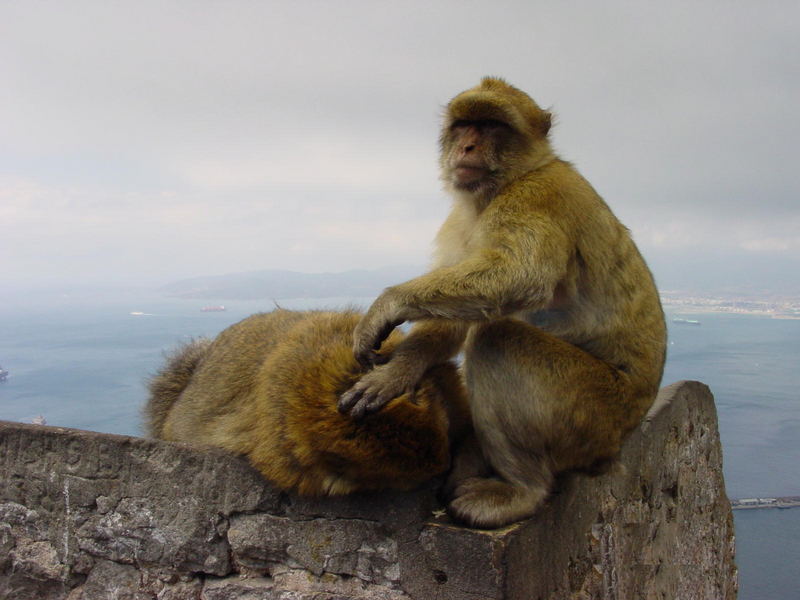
(218, 308)
(3, 375)
(681, 321)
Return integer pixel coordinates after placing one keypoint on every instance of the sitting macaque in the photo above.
(542, 288)
(267, 388)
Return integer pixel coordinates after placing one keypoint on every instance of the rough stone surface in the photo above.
(88, 516)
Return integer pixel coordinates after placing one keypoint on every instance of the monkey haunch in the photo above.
(544, 290)
(267, 388)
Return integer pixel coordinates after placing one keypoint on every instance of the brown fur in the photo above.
(544, 290)
(167, 386)
(267, 388)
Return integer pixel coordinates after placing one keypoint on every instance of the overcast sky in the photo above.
(151, 141)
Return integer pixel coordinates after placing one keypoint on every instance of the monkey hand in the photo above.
(377, 388)
(382, 317)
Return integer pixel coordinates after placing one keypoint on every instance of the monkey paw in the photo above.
(375, 326)
(468, 463)
(489, 503)
(372, 392)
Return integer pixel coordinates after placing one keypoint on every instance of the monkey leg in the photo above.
(540, 405)
(468, 462)
(490, 502)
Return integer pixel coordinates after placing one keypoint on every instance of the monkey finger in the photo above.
(349, 399)
(371, 401)
(381, 358)
(383, 333)
(359, 410)
(375, 403)
(366, 358)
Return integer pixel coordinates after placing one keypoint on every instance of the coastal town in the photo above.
(750, 503)
(778, 307)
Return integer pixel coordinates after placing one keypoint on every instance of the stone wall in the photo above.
(94, 516)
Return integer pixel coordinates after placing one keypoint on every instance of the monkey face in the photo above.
(491, 135)
(472, 154)
(472, 151)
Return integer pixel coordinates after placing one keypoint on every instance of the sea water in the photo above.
(751, 365)
(82, 361)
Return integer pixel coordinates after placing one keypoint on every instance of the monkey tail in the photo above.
(167, 385)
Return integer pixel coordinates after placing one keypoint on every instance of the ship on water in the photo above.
(3, 375)
(218, 308)
(682, 321)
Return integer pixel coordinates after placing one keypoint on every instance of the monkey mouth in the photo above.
(466, 173)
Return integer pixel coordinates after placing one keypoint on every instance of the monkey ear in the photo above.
(546, 122)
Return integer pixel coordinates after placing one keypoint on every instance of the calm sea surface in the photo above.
(83, 361)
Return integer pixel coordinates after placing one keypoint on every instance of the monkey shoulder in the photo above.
(604, 272)
(555, 192)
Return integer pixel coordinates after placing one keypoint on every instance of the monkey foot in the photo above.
(490, 503)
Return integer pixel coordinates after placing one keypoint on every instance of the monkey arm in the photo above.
(430, 342)
(525, 254)
(486, 287)
(516, 271)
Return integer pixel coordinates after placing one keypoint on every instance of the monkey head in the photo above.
(491, 134)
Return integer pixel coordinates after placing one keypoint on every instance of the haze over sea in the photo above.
(82, 360)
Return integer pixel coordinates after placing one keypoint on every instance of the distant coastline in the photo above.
(776, 308)
(752, 503)
(280, 284)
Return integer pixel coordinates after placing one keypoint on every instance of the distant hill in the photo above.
(277, 284)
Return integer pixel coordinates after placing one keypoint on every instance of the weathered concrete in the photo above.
(92, 516)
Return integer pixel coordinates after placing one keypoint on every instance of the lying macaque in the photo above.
(268, 386)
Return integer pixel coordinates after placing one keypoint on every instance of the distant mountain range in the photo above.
(737, 273)
(277, 284)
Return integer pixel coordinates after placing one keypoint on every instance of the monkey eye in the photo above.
(480, 124)
(491, 124)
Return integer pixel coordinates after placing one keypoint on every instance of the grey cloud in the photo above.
(303, 114)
